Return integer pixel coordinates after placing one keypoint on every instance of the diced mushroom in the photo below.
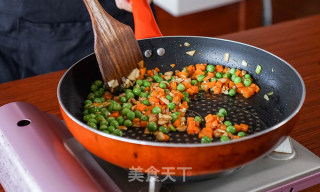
(191, 53)
(223, 80)
(168, 75)
(243, 72)
(166, 101)
(163, 119)
(134, 74)
(152, 117)
(113, 83)
(226, 57)
(146, 131)
(244, 63)
(181, 128)
(160, 136)
(186, 44)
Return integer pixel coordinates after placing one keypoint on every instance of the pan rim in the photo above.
(185, 145)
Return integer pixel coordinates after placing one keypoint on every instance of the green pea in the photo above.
(167, 91)
(143, 88)
(180, 87)
(210, 68)
(93, 125)
(103, 127)
(100, 118)
(241, 134)
(247, 82)
(172, 106)
(143, 94)
(102, 99)
(152, 126)
(120, 120)
(227, 123)
(127, 105)
(146, 84)
(228, 75)
(91, 96)
(172, 128)
(194, 82)
(138, 114)
(98, 93)
(198, 118)
(223, 111)
(219, 75)
(92, 116)
(87, 106)
(99, 83)
(213, 79)
(139, 82)
(94, 88)
(131, 115)
(177, 113)
(205, 139)
(231, 129)
(247, 76)
(200, 78)
(232, 71)
(85, 112)
(237, 80)
(96, 100)
(87, 102)
(116, 107)
(169, 97)
(220, 115)
(144, 118)
(114, 123)
(129, 95)
(117, 132)
(127, 123)
(163, 129)
(156, 110)
(146, 102)
(109, 119)
(162, 85)
(111, 128)
(136, 91)
(106, 131)
(232, 92)
(125, 111)
(224, 138)
(86, 118)
(93, 120)
(122, 99)
(258, 69)
(185, 94)
(233, 77)
(174, 117)
(157, 78)
(186, 99)
(104, 123)
(93, 109)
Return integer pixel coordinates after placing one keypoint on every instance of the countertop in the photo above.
(297, 42)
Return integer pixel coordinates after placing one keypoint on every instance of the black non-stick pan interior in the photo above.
(258, 112)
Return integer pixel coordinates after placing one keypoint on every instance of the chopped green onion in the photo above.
(258, 69)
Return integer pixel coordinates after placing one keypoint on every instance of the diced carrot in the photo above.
(141, 107)
(238, 128)
(150, 73)
(216, 90)
(238, 73)
(96, 104)
(166, 137)
(173, 65)
(186, 84)
(198, 72)
(201, 67)
(209, 76)
(154, 94)
(157, 69)
(231, 84)
(178, 93)
(154, 100)
(235, 137)
(176, 98)
(191, 69)
(173, 85)
(182, 74)
(114, 114)
(244, 127)
(209, 118)
(142, 72)
(239, 85)
(223, 127)
(147, 89)
(143, 123)
(136, 121)
(177, 123)
(219, 68)
(190, 91)
(225, 70)
(219, 84)
(195, 89)
(107, 95)
(215, 123)
(206, 132)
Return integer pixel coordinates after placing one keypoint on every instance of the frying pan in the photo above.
(270, 121)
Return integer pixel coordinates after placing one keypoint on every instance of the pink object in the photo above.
(34, 155)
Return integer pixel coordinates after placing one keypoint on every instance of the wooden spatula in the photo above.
(115, 46)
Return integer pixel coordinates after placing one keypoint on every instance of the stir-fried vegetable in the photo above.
(158, 103)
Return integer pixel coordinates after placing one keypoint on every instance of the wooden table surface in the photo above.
(297, 42)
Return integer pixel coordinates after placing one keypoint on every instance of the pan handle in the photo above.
(144, 22)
